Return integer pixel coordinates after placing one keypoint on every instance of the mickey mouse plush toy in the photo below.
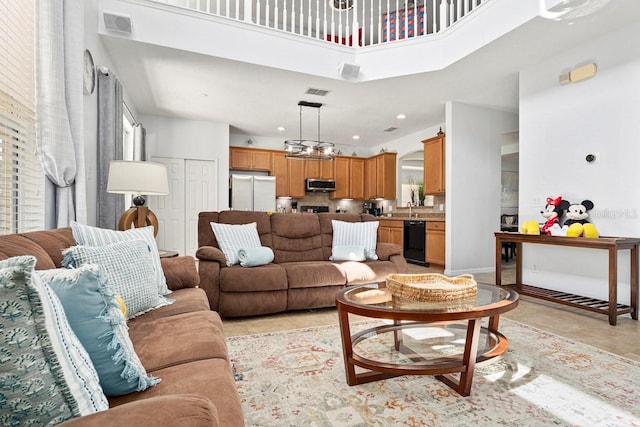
(577, 220)
(553, 212)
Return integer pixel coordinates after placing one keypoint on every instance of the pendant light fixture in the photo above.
(307, 148)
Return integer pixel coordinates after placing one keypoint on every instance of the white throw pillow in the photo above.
(86, 235)
(356, 234)
(233, 237)
(348, 253)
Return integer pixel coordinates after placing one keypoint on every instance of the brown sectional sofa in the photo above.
(300, 276)
(183, 344)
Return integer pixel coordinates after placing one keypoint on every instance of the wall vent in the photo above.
(318, 92)
(391, 129)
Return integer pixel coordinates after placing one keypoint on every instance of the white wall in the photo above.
(473, 171)
(559, 126)
(191, 139)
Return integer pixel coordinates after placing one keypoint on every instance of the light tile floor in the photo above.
(579, 325)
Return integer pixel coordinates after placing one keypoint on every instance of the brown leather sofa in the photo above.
(300, 276)
(183, 344)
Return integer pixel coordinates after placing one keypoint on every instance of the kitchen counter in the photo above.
(422, 217)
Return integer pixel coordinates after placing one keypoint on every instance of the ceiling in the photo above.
(254, 100)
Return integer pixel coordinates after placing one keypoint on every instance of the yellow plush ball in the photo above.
(123, 306)
(530, 227)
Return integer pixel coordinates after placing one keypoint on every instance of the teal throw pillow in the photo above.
(128, 269)
(46, 376)
(96, 318)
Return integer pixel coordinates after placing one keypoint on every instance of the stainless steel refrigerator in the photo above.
(253, 193)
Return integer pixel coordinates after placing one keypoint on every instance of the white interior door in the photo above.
(201, 195)
(170, 208)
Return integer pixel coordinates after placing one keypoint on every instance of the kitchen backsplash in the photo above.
(356, 206)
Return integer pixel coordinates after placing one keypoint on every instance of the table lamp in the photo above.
(140, 178)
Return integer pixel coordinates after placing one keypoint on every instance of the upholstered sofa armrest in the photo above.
(180, 272)
(209, 253)
(175, 410)
(386, 250)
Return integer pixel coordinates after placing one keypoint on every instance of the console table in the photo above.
(611, 244)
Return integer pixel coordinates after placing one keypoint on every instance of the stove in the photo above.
(314, 209)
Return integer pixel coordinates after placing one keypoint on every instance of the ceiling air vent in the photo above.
(391, 129)
(318, 92)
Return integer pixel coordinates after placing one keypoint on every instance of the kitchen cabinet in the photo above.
(341, 175)
(356, 174)
(295, 176)
(391, 231)
(280, 169)
(321, 169)
(380, 172)
(435, 242)
(434, 165)
(249, 159)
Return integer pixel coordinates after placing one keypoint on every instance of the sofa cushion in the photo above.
(210, 378)
(233, 237)
(313, 274)
(186, 300)
(296, 238)
(128, 269)
(16, 245)
(93, 236)
(95, 317)
(270, 277)
(178, 339)
(356, 233)
(46, 374)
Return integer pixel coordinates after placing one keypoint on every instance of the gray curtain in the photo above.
(110, 207)
(60, 132)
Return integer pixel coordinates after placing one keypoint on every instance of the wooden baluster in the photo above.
(257, 20)
(293, 16)
(284, 16)
(276, 15)
(317, 19)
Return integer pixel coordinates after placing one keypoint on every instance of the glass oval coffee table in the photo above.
(422, 338)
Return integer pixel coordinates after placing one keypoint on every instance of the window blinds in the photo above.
(21, 176)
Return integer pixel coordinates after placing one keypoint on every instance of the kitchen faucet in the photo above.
(409, 204)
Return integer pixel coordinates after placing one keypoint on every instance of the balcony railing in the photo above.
(346, 22)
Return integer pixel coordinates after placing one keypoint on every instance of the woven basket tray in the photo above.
(432, 287)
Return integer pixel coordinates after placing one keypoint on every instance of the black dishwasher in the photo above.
(415, 242)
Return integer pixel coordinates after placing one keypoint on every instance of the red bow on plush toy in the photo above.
(554, 202)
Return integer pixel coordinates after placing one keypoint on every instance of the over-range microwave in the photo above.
(321, 185)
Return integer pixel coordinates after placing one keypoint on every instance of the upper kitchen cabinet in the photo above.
(341, 167)
(434, 165)
(381, 176)
(296, 176)
(280, 169)
(320, 169)
(356, 173)
(249, 159)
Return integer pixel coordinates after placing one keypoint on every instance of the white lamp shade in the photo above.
(146, 178)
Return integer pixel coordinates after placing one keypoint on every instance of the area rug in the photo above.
(296, 378)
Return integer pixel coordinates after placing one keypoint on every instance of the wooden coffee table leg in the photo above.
(347, 346)
(463, 385)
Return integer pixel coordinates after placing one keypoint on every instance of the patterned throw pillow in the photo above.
(356, 234)
(46, 376)
(96, 318)
(128, 269)
(231, 238)
(93, 236)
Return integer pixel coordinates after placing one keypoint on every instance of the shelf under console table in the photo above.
(611, 244)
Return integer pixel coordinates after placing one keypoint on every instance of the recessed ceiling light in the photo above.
(356, 137)
(281, 128)
(401, 116)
